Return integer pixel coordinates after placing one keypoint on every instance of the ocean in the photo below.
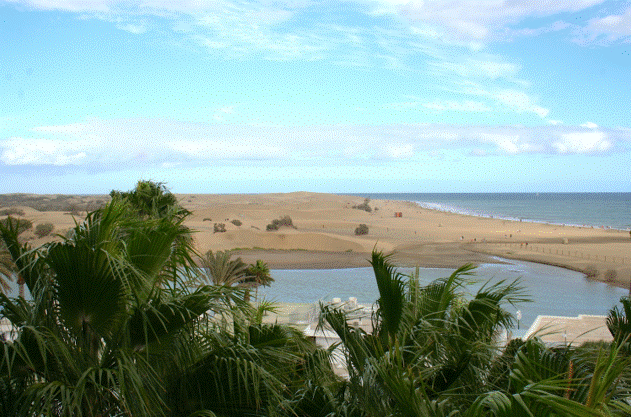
(609, 210)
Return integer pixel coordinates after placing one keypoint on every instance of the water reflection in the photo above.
(554, 291)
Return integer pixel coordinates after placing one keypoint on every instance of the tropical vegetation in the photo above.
(121, 321)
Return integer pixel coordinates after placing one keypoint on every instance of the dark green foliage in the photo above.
(43, 229)
(236, 222)
(362, 229)
(21, 225)
(151, 199)
(364, 206)
(280, 222)
(618, 322)
(220, 269)
(113, 329)
(434, 351)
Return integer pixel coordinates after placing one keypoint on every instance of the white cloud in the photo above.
(396, 152)
(507, 99)
(107, 144)
(519, 101)
(554, 27)
(131, 28)
(26, 151)
(612, 27)
(69, 5)
(476, 20)
(464, 105)
(583, 142)
(589, 125)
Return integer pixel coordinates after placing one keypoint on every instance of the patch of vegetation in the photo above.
(11, 211)
(43, 229)
(236, 222)
(362, 229)
(53, 202)
(219, 228)
(72, 209)
(22, 225)
(611, 275)
(364, 206)
(590, 272)
(207, 219)
(280, 222)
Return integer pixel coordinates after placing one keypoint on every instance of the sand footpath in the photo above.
(324, 234)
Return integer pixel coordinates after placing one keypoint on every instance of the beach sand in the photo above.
(324, 234)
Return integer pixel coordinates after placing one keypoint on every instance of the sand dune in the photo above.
(325, 224)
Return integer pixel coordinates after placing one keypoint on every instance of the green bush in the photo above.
(280, 222)
(236, 222)
(43, 229)
(219, 228)
(364, 206)
(22, 224)
(362, 229)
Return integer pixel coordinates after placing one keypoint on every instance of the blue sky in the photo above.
(331, 96)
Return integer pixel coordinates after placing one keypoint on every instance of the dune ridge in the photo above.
(325, 224)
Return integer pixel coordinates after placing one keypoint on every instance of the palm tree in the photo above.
(434, 351)
(97, 315)
(618, 321)
(258, 274)
(152, 199)
(219, 269)
(112, 329)
(7, 269)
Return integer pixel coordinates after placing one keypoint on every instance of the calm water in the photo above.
(554, 291)
(591, 209)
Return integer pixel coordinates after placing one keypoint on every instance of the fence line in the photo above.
(622, 260)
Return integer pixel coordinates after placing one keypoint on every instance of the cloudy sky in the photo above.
(333, 96)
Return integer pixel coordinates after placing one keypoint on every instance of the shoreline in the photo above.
(447, 208)
(324, 238)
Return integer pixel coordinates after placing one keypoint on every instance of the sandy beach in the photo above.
(324, 236)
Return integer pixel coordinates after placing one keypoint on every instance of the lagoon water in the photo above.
(554, 291)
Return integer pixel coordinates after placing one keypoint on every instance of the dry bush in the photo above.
(611, 275)
(364, 206)
(362, 229)
(590, 272)
(280, 222)
(44, 229)
(236, 222)
(11, 211)
(219, 228)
